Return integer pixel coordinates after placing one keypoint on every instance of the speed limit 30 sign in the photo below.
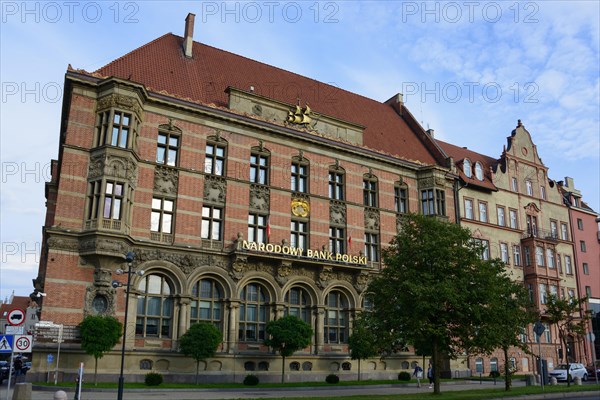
(22, 343)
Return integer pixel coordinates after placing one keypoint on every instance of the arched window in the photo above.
(493, 364)
(467, 168)
(479, 365)
(253, 313)
(154, 307)
(336, 318)
(206, 304)
(478, 171)
(263, 366)
(297, 304)
(307, 366)
(295, 366)
(405, 365)
(249, 366)
(346, 366)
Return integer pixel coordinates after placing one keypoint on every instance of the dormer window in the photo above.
(467, 168)
(479, 171)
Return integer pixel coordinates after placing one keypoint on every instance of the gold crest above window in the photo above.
(300, 208)
(299, 116)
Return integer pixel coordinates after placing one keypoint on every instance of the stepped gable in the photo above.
(162, 66)
(460, 153)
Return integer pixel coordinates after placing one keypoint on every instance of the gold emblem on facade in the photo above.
(299, 116)
(300, 208)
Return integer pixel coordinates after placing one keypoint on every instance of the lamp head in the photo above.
(116, 284)
(129, 256)
(119, 271)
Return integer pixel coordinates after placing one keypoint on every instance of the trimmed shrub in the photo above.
(153, 379)
(404, 376)
(332, 378)
(494, 374)
(251, 380)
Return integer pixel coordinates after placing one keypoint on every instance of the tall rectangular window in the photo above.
(214, 162)
(543, 192)
(400, 199)
(517, 255)
(299, 234)
(372, 246)
(259, 169)
(370, 192)
(588, 291)
(547, 333)
(336, 185)
(299, 180)
(514, 184)
(337, 240)
(501, 216)
(468, 208)
(529, 188)
(550, 258)
(582, 246)
(257, 228)
(440, 197)
(559, 263)
(527, 255)
(553, 230)
(586, 269)
(483, 215)
(427, 203)
(504, 252)
(564, 235)
(579, 224)
(543, 293)
(485, 252)
(568, 267)
(115, 131)
(161, 219)
(514, 222)
(113, 198)
(539, 256)
(212, 223)
(167, 149)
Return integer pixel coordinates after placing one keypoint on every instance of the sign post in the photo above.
(538, 329)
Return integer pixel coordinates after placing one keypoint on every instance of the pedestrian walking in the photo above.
(430, 375)
(418, 373)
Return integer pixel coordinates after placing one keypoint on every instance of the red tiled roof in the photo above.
(460, 153)
(161, 66)
(21, 302)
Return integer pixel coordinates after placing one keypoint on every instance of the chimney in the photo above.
(396, 101)
(188, 36)
(431, 133)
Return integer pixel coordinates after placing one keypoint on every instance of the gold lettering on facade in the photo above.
(293, 251)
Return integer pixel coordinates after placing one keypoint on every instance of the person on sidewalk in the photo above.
(430, 375)
(418, 373)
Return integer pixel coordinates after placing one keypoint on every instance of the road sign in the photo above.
(14, 330)
(6, 343)
(50, 358)
(22, 343)
(539, 328)
(16, 317)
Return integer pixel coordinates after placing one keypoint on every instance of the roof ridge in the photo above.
(134, 50)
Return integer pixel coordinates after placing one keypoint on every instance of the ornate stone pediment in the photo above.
(215, 189)
(337, 213)
(166, 180)
(259, 198)
(113, 166)
(119, 101)
(371, 219)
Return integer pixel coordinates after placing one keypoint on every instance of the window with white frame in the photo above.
(501, 216)
(514, 184)
(468, 208)
(543, 192)
(516, 255)
(478, 171)
(564, 235)
(554, 291)
(467, 168)
(504, 252)
(514, 222)
(483, 215)
(529, 187)
(547, 333)
(161, 219)
(568, 268)
(543, 293)
(550, 258)
(553, 230)
(539, 256)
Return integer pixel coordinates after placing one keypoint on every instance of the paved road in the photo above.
(328, 391)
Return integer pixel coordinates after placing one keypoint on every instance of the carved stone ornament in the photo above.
(97, 245)
(300, 208)
(166, 180)
(113, 166)
(63, 244)
(325, 275)
(119, 101)
(215, 189)
(99, 300)
(259, 198)
(439, 181)
(299, 116)
(337, 213)
(362, 281)
(371, 219)
(186, 262)
(426, 182)
(102, 277)
(238, 266)
(532, 209)
(283, 272)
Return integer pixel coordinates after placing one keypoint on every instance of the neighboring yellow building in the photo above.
(513, 207)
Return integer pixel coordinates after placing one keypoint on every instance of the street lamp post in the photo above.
(129, 259)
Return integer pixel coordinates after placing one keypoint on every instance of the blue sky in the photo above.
(469, 70)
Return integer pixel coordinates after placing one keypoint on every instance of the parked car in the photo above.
(591, 371)
(576, 370)
(3, 371)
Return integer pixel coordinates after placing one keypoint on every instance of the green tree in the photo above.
(570, 318)
(200, 342)
(362, 342)
(509, 312)
(287, 335)
(99, 334)
(435, 288)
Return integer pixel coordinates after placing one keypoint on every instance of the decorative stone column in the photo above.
(233, 311)
(184, 315)
(319, 328)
